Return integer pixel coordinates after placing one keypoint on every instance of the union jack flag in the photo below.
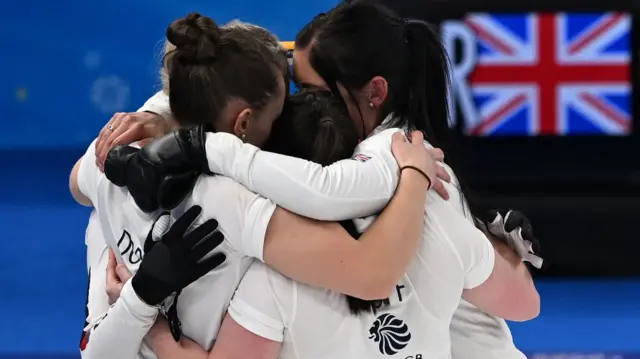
(551, 74)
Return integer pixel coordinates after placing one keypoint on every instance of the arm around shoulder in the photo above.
(323, 254)
(347, 189)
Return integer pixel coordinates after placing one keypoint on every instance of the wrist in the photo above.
(146, 290)
(415, 178)
(134, 301)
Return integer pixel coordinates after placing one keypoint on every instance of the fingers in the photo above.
(202, 232)
(129, 135)
(516, 220)
(208, 265)
(111, 142)
(105, 132)
(513, 219)
(442, 174)
(103, 145)
(417, 138)
(112, 276)
(439, 187)
(491, 216)
(123, 273)
(209, 244)
(436, 154)
(182, 225)
(398, 137)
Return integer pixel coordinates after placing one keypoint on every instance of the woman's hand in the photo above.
(414, 153)
(127, 128)
(162, 173)
(177, 260)
(117, 276)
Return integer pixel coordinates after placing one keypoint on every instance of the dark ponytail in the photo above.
(361, 40)
(429, 89)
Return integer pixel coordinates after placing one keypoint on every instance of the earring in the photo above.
(371, 105)
(243, 136)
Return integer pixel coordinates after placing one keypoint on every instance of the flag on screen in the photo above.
(551, 74)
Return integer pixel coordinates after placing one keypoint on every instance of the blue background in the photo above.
(68, 65)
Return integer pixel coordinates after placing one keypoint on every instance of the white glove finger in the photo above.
(497, 226)
(519, 247)
(534, 260)
(529, 246)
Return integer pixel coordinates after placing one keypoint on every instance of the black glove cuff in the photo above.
(149, 289)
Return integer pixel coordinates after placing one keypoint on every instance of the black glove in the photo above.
(175, 262)
(162, 173)
(514, 229)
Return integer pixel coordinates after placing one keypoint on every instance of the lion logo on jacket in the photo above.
(391, 334)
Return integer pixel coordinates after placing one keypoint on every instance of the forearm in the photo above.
(120, 332)
(521, 284)
(330, 193)
(397, 231)
(344, 190)
(520, 269)
(165, 347)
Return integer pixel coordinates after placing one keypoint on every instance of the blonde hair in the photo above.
(262, 34)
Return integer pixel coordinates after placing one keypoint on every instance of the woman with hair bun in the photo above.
(392, 76)
(228, 81)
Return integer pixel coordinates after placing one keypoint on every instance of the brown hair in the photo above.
(270, 40)
(207, 66)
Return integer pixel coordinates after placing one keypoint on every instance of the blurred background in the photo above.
(545, 103)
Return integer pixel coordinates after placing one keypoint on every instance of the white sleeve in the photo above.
(254, 306)
(158, 104)
(119, 332)
(472, 248)
(244, 219)
(97, 299)
(347, 189)
(89, 175)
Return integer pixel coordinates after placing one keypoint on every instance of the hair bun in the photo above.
(196, 38)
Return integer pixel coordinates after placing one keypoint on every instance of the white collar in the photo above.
(382, 126)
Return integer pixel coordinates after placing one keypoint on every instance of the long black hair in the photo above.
(315, 126)
(357, 41)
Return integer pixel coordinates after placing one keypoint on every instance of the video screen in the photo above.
(549, 74)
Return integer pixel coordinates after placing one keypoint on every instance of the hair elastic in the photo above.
(419, 171)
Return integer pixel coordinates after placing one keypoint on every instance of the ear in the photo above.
(241, 124)
(378, 90)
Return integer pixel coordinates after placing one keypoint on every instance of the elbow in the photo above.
(529, 308)
(74, 187)
(78, 196)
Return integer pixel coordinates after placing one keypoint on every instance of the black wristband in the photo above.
(419, 171)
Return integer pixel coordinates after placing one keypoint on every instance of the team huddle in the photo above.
(233, 219)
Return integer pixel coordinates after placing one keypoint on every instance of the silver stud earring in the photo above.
(243, 137)
(371, 105)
